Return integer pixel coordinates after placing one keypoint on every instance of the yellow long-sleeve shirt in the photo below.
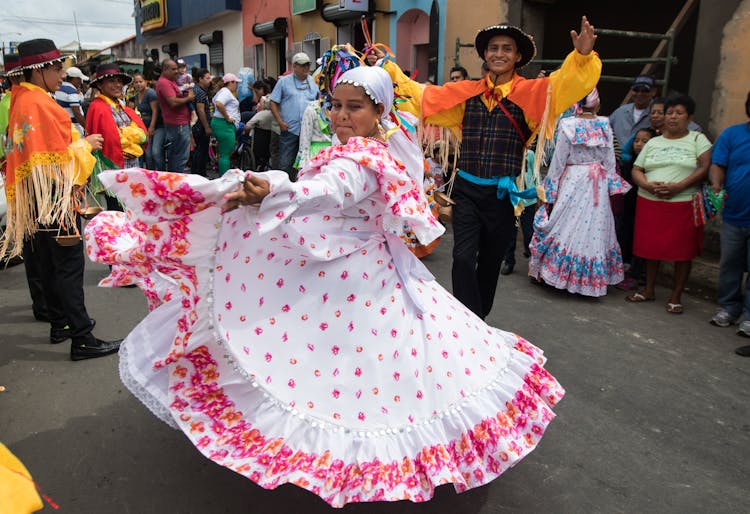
(444, 106)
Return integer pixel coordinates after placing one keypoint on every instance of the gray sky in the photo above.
(98, 21)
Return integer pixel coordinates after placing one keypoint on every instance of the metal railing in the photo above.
(669, 60)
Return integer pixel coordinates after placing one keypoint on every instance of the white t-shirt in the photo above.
(637, 113)
(230, 103)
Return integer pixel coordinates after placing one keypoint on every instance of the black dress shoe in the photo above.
(95, 348)
(507, 268)
(743, 350)
(60, 335)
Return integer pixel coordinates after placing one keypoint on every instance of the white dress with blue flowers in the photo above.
(575, 247)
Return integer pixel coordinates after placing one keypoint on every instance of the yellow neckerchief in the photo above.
(114, 103)
(494, 92)
(132, 137)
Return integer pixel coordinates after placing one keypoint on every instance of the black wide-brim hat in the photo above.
(110, 70)
(524, 41)
(38, 53)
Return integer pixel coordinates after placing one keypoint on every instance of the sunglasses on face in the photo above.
(640, 90)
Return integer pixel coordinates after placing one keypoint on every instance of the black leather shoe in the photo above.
(507, 268)
(94, 349)
(60, 335)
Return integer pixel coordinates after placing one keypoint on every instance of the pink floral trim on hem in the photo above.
(478, 456)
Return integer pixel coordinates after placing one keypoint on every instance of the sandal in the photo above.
(638, 297)
(674, 308)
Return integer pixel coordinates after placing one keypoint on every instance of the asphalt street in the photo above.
(656, 416)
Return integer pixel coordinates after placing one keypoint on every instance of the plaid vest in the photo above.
(490, 146)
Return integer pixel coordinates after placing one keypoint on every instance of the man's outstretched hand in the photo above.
(584, 42)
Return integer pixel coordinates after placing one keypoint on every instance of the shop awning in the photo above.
(274, 29)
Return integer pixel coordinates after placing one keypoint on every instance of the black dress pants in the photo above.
(34, 278)
(483, 227)
(62, 270)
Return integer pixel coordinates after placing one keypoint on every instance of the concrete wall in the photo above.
(712, 18)
(464, 20)
(733, 77)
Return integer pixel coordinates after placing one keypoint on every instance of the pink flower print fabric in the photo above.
(303, 343)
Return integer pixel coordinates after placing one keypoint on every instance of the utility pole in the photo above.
(78, 35)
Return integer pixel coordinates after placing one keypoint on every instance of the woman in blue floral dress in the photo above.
(574, 245)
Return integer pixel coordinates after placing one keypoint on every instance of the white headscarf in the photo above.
(378, 86)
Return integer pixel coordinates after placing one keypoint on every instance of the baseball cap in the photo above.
(644, 81)
(300, 58)
(181, 62)
(74, 72)
(230, 77)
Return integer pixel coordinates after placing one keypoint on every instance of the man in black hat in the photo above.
(47, 160)
(496, 117)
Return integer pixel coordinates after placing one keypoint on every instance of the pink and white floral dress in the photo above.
(302, 342)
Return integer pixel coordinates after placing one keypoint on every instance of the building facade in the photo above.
(204, 34)
(267, 36)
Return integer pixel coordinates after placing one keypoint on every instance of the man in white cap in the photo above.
(70, 97)
(289, 100)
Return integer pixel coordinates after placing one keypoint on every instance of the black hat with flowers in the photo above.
(524, 41)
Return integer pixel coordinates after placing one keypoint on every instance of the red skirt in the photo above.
(666, 231)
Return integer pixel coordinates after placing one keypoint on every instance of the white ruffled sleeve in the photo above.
(338, 185)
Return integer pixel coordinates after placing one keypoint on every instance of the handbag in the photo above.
(445, 203)
(706, 204)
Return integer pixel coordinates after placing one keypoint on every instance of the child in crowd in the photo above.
(633, 265)
(185, 81)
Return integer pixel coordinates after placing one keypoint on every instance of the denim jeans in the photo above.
(734, 262)
(288, 148)
(155, 150)
(178, 146)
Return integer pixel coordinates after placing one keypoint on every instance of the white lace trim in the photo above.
(153, 404)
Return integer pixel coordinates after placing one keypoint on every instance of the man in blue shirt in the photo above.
(289, 100)
(69, 97)
(730, 169)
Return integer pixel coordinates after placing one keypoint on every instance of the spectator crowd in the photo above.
(611, 198)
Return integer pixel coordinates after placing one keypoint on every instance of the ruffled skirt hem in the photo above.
(467, 445)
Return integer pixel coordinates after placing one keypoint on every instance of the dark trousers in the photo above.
(526, 220)
(33, 267)
(199, 159)
(261, 148)
(62, 279)
(483, 227)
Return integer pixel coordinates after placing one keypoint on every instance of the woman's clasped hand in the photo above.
(254, 190)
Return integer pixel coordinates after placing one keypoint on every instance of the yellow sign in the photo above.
(153, 14)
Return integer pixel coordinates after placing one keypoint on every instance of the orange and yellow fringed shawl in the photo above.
(43, 164)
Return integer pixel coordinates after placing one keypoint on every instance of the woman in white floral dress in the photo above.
(575, 246)
(295, 339)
